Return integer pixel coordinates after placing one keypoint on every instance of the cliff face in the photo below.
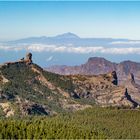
(96, 65)
(133, 88)
(93, 66)
(27, 89)
(102, 89)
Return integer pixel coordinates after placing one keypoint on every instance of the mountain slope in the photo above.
(35, 91)
(97, 65)
(27, 89)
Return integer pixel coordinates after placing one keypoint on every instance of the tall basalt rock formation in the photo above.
(131, 78)
(132, 89)
(114, 78)
(29, 58)
(129, 98)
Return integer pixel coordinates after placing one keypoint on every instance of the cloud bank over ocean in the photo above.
(134, 42)
(71, 49)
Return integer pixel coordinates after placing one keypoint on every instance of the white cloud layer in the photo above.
(125, 43)
(71, 49)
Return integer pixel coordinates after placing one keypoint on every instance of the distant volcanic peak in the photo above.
(67, 36)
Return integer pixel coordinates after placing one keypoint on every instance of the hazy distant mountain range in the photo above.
(71, 39)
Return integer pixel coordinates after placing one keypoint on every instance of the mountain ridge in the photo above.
(99, 65)
(27, 89)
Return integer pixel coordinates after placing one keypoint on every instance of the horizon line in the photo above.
(59, 34)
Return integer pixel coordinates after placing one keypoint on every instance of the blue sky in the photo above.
(112, 19)
(86, 19)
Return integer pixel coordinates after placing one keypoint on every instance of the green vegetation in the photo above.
(60, 81)
(20, 78)
(28, 95)
(1, 112)
(23, 83)
(88, 124)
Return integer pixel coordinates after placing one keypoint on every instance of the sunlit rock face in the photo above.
(98, 65)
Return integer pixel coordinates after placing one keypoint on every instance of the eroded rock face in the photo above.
(3, 79)
(37, 89)
(27, 61)
(114, 78)
(133, 89)
(7, 109)
(105, 91)
(29, 58)
(131, 78)
(102, 89)
(129, 98)
(97, 65)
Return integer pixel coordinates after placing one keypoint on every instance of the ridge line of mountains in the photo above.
(73, 39)
(28, 89)
(99, 65)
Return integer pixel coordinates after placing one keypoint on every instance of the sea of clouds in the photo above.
(72, 49)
